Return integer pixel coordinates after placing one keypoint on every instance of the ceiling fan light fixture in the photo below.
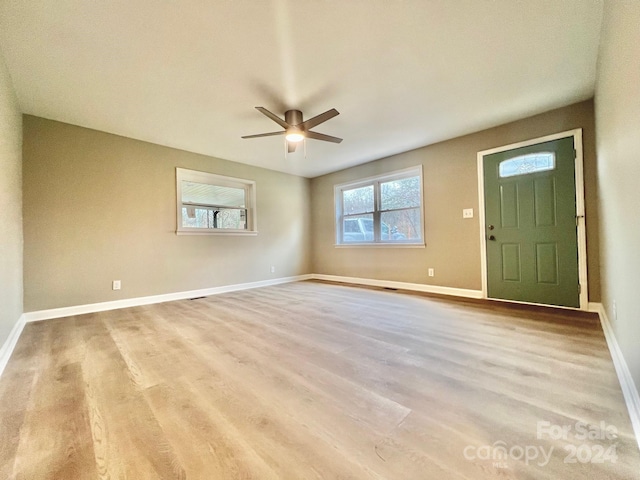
(295, 129)
(294, 136)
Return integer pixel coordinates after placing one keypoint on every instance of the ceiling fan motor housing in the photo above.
(293, 117)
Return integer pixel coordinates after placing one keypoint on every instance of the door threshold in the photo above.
(531, 304)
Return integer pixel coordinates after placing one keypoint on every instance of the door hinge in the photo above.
(575, 154)
(579, 288)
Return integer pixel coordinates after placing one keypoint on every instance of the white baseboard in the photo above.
(168, 297)
(629, 389)
(10, 344)
(594, 307)
(138, 301)
(418, 287)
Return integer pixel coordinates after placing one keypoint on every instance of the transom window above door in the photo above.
(529, 163)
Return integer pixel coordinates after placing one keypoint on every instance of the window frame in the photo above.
(375, 181)
(249, 187)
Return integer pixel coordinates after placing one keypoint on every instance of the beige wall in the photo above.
(450, 184)
(10, 206)
(618, 139)
(99, 207)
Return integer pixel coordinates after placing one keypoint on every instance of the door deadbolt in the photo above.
(492, 237)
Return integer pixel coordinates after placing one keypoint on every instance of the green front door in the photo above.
(530, 222)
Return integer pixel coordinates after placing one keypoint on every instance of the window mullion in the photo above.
(340, 226)
(377, 235)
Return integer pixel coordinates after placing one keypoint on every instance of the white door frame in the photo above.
(580, 210)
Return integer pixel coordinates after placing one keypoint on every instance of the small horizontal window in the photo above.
(209, 203)
(529, 163)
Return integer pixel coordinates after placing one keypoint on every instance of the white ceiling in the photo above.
(402, 73)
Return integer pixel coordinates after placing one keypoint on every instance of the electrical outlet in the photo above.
(273, 269)
(116, 285)
(431, 272)
(467, 213)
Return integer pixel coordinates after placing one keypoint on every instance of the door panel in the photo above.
(530, 213)
(509, 206)
(545, 202)
(511, 262)
(547, 263)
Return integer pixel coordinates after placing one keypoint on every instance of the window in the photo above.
(530, 163)
(214, 204)
(386, 209)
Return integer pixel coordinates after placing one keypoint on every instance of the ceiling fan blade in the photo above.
(273, 117)
(270, 134)
(318, 119)
(291, 147)
(322, 136)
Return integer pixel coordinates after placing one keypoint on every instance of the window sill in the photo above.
(227, 233)
(380, 245)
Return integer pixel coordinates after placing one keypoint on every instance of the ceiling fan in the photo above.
(295, 129)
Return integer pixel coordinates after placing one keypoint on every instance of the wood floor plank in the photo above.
(310, 380)
(29, 359)
(15, 391)
(231, 383)
(55, 439)
(365, 404)
(130, 442)
(206, 443)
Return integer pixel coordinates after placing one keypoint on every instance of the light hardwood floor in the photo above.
(311, 380)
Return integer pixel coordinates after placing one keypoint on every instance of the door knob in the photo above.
(492, 237)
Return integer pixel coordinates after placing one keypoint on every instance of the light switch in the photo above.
(467, 213)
